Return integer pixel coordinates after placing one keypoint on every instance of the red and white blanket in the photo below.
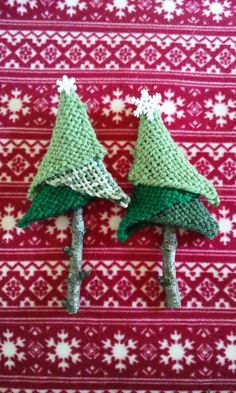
(123, 339)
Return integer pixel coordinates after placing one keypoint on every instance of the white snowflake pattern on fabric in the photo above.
(171, 107)
(176, 352)
(65, 350)
(110, 222)
(120, 7)
(14, 104)
(220, 109)
(227, 349)
(217, 9)
(11, 349)
(227, 227)
(66, 84)
(120, 351)
(60, 227)
(71, 6)
(116, 106)
(169, 8)
(147, 105)
(54, 104)
(8, 222)
(21, 5)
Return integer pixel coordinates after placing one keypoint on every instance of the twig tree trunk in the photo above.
(169, 281)
(76, 275)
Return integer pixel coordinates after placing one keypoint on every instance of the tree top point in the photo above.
(66, 84)
(147, 105)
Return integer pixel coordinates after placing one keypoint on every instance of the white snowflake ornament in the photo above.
(147, 104)
(66, 84)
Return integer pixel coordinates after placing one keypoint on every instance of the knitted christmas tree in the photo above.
(166, 190)
(71, 174)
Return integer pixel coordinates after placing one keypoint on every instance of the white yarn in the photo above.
(92, 179)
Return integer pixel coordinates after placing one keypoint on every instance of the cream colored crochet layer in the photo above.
(93, 179)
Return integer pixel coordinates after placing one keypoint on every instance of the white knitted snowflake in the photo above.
(147, 104)
(66, 84)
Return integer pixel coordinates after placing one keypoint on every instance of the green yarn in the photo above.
(73, 144)
(74, 161)
(147, 202)
(159, 162)
(93, 180)
(191, 215)
(52, 201)
(160, 206)
(75, 157)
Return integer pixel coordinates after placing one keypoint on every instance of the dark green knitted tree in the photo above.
(71, 174)
(166, 191)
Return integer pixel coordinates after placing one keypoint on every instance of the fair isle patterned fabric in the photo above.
(123, 339)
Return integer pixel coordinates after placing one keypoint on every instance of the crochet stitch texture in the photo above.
(94, 180)
(52, 201)
(163, 206)
(73, 142)
(158, 161)
(166, 186)
(75, 157)
(192, 215)
(72, 171)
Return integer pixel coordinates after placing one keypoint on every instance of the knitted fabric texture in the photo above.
(73, 142)
(74, 148)
(158, 161)
(192, 215)
(94, 180)
(52, 201)
(162, 206)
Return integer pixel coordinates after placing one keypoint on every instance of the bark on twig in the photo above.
(169, 281)
(76, 275)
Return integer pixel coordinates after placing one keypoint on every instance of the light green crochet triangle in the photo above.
(73, 144)
(158, 161)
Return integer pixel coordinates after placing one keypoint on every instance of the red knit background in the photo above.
(123, 339)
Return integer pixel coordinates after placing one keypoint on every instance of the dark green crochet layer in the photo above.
(173, 207)
(147, 202)
(191, 215)
(52, 201)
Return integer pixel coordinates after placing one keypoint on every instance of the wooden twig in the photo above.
(76, 275)
(169, 281)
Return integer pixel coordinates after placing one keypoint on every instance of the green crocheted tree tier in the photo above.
(147, 202)
(73, 142)
(158, 161)
(52, 201)
(189, 215)
(154, 205)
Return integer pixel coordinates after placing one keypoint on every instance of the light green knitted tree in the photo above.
(71, 174)
(166, 191)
